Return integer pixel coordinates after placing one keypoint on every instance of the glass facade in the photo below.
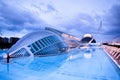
(46, 46)
(43, 43)
(20, 53)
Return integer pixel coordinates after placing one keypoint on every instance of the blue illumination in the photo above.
(77, 65)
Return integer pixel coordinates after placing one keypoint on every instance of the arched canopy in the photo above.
(30, 38)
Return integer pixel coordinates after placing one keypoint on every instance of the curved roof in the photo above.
(30, 38)
(87, 40)
(87, 35)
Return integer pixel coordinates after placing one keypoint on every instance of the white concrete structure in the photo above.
(40, 43)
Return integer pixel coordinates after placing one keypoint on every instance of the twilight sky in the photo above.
(76, 17)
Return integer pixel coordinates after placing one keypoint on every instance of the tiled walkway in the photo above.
(114, 54)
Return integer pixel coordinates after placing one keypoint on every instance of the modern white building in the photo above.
(40, 43)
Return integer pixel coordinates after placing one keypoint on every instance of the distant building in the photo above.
(13, 40)
(88, 38)
(40, 43)
(6, 43)
(70, 40)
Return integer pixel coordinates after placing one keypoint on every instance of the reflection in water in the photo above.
(41, 63)
(98, 67)
(77, 54)
(23, 62)
(32, 67)
(72, 57)
(8, 68)
(87, 55)
(74, 54)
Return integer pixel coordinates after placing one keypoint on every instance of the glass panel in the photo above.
(21, 53)
(44, 42)
(37, 43)
(48, 43)
(31, 48)
(50, 40)
(40, 41)
(54, 39)
(35, 47)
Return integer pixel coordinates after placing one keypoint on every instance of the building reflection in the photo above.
(87, 55)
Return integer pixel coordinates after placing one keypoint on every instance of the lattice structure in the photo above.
(41, 43)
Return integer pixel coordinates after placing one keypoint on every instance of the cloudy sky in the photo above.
(77, 17)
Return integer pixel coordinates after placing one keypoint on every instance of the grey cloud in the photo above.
(51, 8)
(13, 18)
(82, 23)
(112, 20)
(48, 7)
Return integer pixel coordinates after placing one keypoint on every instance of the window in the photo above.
(38, 44)
(43, 40)
(20, 53)
(50, 40)
(42, 43)
(47, 42)
(35, 46)
(31, 48)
